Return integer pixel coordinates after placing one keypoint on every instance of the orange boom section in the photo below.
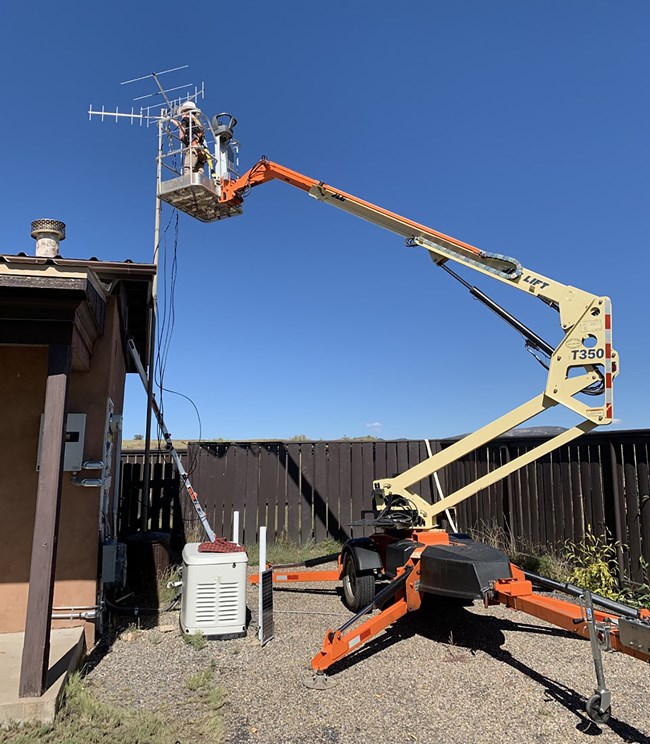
(234, 191)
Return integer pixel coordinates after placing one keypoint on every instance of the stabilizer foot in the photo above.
(318, 681)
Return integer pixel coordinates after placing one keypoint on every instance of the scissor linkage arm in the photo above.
(583, 358)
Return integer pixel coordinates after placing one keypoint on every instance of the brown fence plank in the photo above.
(391, 459)
(335, 529)
(321, 493)
(423, 487)
(267, 496)
(615, 502)
(563, 472)
(251, 526)
(293, 492)
(156, 485)
(170, 486)
(239, 454)
(537, 517)
(644, 495)
(356, 483)
(497, 499)
(306, 491)
(368, 465)
(281, 498)
(558, 498)
(345, 487)
(402, 456)
(135, 498)
(232, 499)
(597, 495)
(381, 466)
(578, 506)
(547, 500)
(524, 534)
(633, 515)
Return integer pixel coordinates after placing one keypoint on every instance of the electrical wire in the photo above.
(166, 329)
(398, 507)
(192, 464)
(167, 314)
(246, 189)
(141, 610)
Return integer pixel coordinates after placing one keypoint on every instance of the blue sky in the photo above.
(521, 127)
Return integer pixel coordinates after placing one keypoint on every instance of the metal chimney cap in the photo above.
(55, 227)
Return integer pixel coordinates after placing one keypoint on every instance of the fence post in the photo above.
(617, 510)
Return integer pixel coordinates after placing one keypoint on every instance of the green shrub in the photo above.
(195, 640)
(594, 566)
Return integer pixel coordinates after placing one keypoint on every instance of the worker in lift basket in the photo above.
(191, 134)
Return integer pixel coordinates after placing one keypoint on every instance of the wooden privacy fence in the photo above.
(313, 490)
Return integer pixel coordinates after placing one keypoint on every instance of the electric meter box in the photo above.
(214, 593)
(73, 454)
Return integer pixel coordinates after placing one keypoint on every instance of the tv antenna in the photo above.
(195, 157)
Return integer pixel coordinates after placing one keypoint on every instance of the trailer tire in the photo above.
(358, 589)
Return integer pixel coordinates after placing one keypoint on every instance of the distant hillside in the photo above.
(530, 431)
(536, 431)
(137, 445)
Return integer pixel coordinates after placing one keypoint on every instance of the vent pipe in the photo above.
(48, 234)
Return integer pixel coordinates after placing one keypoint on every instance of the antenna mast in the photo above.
(194, 158)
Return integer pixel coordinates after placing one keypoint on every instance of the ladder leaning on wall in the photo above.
(184, 476)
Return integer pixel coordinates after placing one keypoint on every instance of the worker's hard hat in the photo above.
(187, 106)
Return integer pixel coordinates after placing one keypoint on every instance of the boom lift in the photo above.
(409, 548)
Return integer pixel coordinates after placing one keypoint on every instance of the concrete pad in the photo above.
(66, 649)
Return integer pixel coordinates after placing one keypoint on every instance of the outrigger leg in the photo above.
(338, 643)
(281, 574)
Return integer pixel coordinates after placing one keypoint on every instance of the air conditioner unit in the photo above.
(214, 593)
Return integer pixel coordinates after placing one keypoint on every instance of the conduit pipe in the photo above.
(92, 615)
(65, 608)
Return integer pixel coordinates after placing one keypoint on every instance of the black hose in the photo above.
(141, 610)
(309, 562)
(576, 591)
(386, 593)
(322, 559)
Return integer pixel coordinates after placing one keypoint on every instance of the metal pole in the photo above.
(235, 527)
(262, 568)
(604, 694)
(152, 339)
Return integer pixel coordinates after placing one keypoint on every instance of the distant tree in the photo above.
(367, 438)
(138, 437)
(299, 438)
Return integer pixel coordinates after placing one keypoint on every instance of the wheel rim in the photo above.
(350, 579)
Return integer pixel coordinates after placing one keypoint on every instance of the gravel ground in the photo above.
(462, 675)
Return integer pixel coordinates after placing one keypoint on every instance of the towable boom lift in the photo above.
(409, 548)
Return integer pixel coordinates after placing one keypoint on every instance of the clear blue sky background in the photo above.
(521, 127)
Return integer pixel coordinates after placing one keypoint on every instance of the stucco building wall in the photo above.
(23, 372)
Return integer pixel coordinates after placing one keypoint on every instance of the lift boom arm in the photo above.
(583, 358)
